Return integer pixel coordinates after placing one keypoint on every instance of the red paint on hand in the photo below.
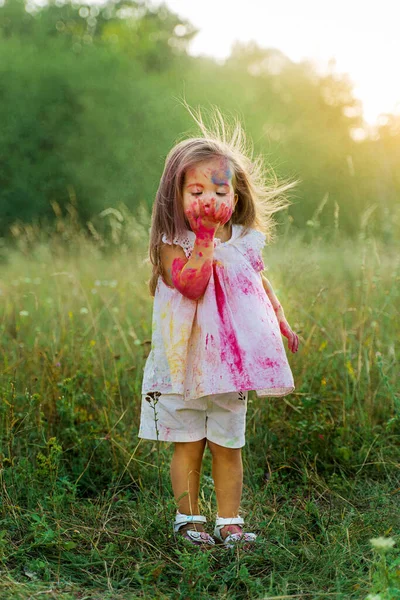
(205, 219)
(190, 282)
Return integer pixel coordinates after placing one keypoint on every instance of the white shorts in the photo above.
(221, 418)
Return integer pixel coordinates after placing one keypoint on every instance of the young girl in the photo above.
(217, 323)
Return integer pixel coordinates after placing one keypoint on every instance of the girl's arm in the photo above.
(293, 340)
(191, 276)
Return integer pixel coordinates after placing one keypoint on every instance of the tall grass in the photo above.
(86, 507)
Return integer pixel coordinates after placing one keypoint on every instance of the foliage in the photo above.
(91, 98)
(86, 507)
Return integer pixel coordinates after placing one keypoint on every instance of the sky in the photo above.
(363, 36)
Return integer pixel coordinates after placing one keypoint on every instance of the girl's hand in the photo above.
(205, 219)
(293, 339)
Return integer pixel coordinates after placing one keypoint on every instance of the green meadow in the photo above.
(86, 506)
(92, 99)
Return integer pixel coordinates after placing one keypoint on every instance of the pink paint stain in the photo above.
(247, 287)
(244, 284)
(167, 430)
(209, 340)
(255, 259)
(230, 349)
(267, 363)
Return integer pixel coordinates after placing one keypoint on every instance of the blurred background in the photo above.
(90, 99)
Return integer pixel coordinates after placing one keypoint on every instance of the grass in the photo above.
(86, 507)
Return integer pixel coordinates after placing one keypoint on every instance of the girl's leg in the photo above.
(185, 477)
(227, 471)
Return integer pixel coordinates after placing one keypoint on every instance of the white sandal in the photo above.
(232, 539)
(197, 538)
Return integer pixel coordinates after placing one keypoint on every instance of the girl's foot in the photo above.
(244, 540)
(230, 529)
(193, 527)
(203, 541)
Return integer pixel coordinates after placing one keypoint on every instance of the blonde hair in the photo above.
(257, 201)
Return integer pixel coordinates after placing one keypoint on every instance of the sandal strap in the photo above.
(222, 521)
(181, 519)
(233, 538)
(199, 537)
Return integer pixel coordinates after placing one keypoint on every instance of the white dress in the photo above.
(229, 340)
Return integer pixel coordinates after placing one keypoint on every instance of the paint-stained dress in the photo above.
(228, 340)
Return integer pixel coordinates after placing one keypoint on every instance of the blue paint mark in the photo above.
(221, 181)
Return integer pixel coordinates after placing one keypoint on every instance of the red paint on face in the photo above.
(204, 234)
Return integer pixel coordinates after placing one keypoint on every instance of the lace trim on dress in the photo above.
(182, 240)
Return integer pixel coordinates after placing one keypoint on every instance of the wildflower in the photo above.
(92, 342)
(323, 381)
(113, 283)
(23, 313)
(84, 310)
(97, 282)
(382, 543)
(373, 597)
(137, 342)
(94, 291)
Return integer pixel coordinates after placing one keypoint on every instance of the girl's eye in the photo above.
(218, 193)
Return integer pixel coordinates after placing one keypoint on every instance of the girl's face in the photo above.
(206, 180)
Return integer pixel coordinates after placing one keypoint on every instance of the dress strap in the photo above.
(185, 240)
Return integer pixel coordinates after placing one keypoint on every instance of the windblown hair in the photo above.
(258, 198)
